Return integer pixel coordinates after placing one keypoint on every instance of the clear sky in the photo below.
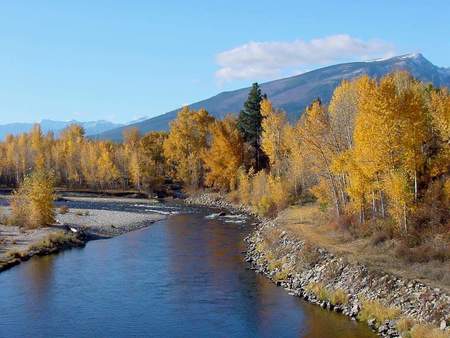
(120, 60)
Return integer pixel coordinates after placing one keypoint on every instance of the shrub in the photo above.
(378, 238)
(335, 297)
(372, 309)
(274, 264)
(319, 290)
(14, 253)
(423, 253)
(281, 275)
(32, 203)
(338, 297)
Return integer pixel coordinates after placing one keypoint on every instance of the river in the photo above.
(181, 277)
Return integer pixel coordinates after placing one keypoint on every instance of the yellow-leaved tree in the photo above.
(32, 204)
(188, 139)
(225, 155)
(273, 139)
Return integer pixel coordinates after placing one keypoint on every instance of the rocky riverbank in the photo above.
(218, 201)
(392, 306)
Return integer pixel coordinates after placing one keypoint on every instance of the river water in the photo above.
(181, 277)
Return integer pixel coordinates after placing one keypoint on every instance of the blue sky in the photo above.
(119, 60)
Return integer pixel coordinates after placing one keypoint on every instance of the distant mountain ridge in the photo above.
(294, 93)
(90, 127)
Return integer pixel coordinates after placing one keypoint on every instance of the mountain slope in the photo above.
(90, 127)
(294, 93)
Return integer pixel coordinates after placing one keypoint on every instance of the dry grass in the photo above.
(281, 275)
(335, 297)
(14, 253)
(372, 309)
(423, 253)
(55, 240)
(319, 290)
(338, 297)
(404, 324)
(427, 331)
(378, 251)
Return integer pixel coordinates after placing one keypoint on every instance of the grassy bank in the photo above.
(430, 264)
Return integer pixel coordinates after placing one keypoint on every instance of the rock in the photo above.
(443, 325)
(382, 329)
(355, 310)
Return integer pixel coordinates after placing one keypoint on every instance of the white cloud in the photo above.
(262, 60)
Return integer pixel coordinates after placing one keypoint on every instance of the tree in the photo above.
(153, 160)
(131, 142)
(188, 139)
(319, 146)
(32, 204)
(249, 125)
(224, 158)
(273, 139)
(72, 139)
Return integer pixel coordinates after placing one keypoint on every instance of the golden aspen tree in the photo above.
(72, 139)
(32, 204)
(187, 140)
(89, 164)
(153, 159)
(439, 108)
(37, 147)
(245, 185)
(225, 155)
(272, 139)
(131, 141)
(315, 132)
(400, 196)
(343, 109)
(107, 171)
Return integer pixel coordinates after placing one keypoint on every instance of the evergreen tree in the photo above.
(249, 124)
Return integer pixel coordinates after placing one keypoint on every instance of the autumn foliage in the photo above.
(32, 203)
(377, 154)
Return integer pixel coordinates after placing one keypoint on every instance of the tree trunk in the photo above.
(383, 214)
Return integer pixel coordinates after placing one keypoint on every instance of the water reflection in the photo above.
(183, 277)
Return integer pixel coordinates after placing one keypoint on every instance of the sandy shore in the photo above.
(17, 244)
(106, 223)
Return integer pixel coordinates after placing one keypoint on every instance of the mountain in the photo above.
(294, 93)
(91, 127)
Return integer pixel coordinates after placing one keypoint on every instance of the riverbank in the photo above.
(73, 228)
(390, 303)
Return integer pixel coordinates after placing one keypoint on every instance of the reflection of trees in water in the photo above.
(37, 278)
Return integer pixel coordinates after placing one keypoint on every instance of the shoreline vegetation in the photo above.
(371, 165)
(388, 297)
(19, 244)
